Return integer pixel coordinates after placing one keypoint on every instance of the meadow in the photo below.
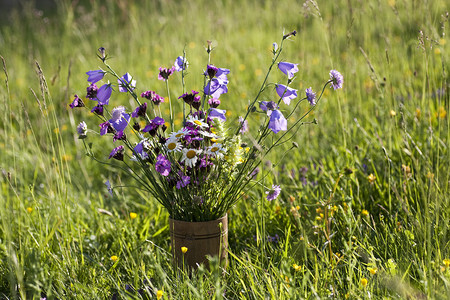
(364, 210)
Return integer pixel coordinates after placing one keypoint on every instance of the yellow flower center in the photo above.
(198, 122)
(179, 135)
(172, 146)
(214, 149)
(190, 154)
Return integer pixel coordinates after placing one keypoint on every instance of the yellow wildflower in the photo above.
(371, 178)
(418, 113)
(373, 271)
(446, 262)
(364, 212)
(133, 215)
(184, 249)
(392, 113)
(114, 258)
(296, 267)
(442, 112)
(364, 282)
(159, 294)
(29, 209)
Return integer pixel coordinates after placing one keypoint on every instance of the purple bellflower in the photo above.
(96, 75)
(337, 80)
(119, 118)
(310, 96)
(277, 121)
(268, 106)
(104, 93)
(180, 64)
(217, 85)
(162, 165)
(273, 193)
(288, 68)
(126, 81)
(286, 93)
(217, 113)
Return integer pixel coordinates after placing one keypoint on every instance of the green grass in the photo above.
(390, 120)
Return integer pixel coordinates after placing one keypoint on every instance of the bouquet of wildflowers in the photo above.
(200, 170)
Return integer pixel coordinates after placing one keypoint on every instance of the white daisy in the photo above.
(179, 134)
(208, 134)
(190, 157)
(197, 122)
(215, 150)
(172, 144)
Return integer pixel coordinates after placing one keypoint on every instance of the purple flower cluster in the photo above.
(218, 81)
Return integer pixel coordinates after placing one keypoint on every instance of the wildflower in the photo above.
(172, 145)
(159, 294)
(104, 93)
(392, 113)
(152, 96)
(109, 188)
(286, 93)
(442, 113)
(364, 212)
(268, 106)
(277, 121)
(82, 129)
(364, 282)
(214, 102)
(310, 96)
(117, 153)
(114, 258)
(296, 267)
(140, 110)
(185, 180)
(91, 91)
(288, 68)
(274, 47)
(162, 165)
(418, 113)
(194, 120)
(184, 249)
(214, 149)
(336, 79)
(190, 98)
(373, 270)
(126, 82)
(133, 215)
(190, 157)
(371, 178)
(153, 125)
(96, 75)
(179, 134)
(119, 119)
(164, 73)
(217, 113)
(217, 85)
(446, 262)
(77, 102)
(106, 128)
(180, 63)
(273, 193)
(243, 124)
(98, 109)
(29, 209)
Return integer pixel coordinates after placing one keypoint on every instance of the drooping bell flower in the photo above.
(119, 118)
(125, 82)
(104, 93)
(277, 121)
(217, 85)
(288, 68)
(268, 106)
(96, 75)
(180, 63)
(286, 93)
(217, 113)
(77, 102)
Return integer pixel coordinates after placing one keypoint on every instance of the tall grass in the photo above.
(367, 191)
